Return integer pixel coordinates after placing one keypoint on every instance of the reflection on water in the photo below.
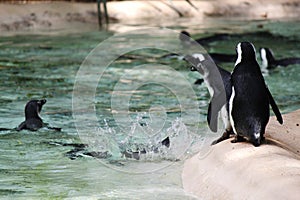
(34, 164)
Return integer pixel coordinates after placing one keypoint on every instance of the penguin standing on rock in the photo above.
(218, 83)
(250, 98)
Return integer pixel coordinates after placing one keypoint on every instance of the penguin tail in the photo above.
(256, 139)
(212, 118)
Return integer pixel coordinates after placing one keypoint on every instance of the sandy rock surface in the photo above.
(242, 171)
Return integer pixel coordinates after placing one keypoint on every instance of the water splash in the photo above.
(170, 143)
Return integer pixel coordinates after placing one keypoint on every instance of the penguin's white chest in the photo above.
(230, 110)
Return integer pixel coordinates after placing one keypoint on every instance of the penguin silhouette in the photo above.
(250, 98)
(33, 121)
(185, 38)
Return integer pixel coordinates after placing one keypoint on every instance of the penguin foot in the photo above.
(225, 136)
(256, 143)
(238, 139)
(262, 139)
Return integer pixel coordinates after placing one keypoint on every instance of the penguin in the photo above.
(216, 87)
(219, 57)
(136, 154)
(185, 38)
(33, 121)
(223, 58)
(81, 150)
(187, 41)
(269, 61)
(250, 98)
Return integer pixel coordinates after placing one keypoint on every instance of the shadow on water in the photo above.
(37, 164)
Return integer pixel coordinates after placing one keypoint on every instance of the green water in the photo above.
(34, 165)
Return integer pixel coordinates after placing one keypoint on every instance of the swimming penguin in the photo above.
(81, 150)
(223, 58)
(250, 98)
(218, 83)
(186, 40)
(165, 143)
(219, 57)
(269, 61)
(33, 121)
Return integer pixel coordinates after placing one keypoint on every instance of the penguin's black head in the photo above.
(184, 37)
(195, 62)
(245, 52)
(33, 108)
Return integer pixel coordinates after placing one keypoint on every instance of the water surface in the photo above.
(35, 165)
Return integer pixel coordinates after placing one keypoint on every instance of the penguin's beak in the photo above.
(42, 101)
(40, 105)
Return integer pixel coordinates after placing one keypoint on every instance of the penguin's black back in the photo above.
(32, 119)
(287, 61)
(221, 58)
(250, 109)
(226, 78)
(33, 108)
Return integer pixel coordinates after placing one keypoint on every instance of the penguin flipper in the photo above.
(212, 115)
(54, 128)
(274, 107)
(212, 118)
(214, 107)
(5, 129)
(51, 127)
(21, 126)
